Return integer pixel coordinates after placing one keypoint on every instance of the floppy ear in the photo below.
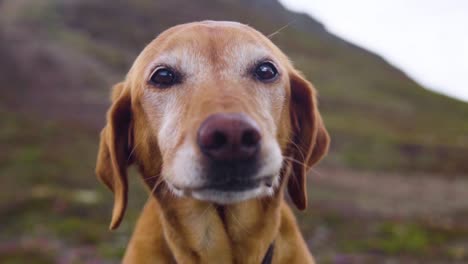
(309, 138)
(113, 156)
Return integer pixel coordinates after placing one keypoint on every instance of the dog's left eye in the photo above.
(163, 77)
(266, 72)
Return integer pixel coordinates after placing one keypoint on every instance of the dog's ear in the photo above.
(309, 139)
(113, 156)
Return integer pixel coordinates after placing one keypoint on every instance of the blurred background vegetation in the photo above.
(394, 187)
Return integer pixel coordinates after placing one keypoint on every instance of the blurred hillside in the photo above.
(59, 58)
(66, 55)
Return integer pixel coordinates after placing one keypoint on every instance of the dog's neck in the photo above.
(202, 232)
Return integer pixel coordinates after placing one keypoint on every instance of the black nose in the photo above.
(229, 137)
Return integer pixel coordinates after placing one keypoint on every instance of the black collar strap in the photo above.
(269, 254)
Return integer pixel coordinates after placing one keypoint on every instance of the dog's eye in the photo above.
(163, 77)
(266, 71)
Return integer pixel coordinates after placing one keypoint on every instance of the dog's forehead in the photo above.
(210, 43)
(208, 35)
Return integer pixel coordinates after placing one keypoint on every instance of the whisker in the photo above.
(294, 179)
(238, 221)
(158, 182)
(152, 177)
(205, 211)
(315, 171)
(298, 148)
(281, 28)
(294, 160)
(131, 152)
(202, 236)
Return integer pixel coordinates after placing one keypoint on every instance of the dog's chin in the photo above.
(224, 195)
(229, 197)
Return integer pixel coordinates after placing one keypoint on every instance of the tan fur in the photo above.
(156, 130)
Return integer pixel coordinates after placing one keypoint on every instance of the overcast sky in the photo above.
(427, 39)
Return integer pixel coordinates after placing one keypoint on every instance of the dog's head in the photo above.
(212, 111)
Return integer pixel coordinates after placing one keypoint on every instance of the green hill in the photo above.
(66, 55)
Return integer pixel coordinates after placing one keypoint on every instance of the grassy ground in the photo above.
(51, 205)
(371, 217)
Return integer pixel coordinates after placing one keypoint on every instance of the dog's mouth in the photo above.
(237, 185)
(232, 190)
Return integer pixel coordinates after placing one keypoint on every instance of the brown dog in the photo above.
(219, 123)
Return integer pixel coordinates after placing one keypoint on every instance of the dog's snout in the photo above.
(229, 137)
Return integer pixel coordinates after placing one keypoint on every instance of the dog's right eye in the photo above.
(163, 77)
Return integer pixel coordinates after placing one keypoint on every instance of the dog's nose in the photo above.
(229, 137)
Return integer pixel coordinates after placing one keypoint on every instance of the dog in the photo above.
(219, 124)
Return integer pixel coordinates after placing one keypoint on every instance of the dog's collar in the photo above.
(268, 258)
(269, 254)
